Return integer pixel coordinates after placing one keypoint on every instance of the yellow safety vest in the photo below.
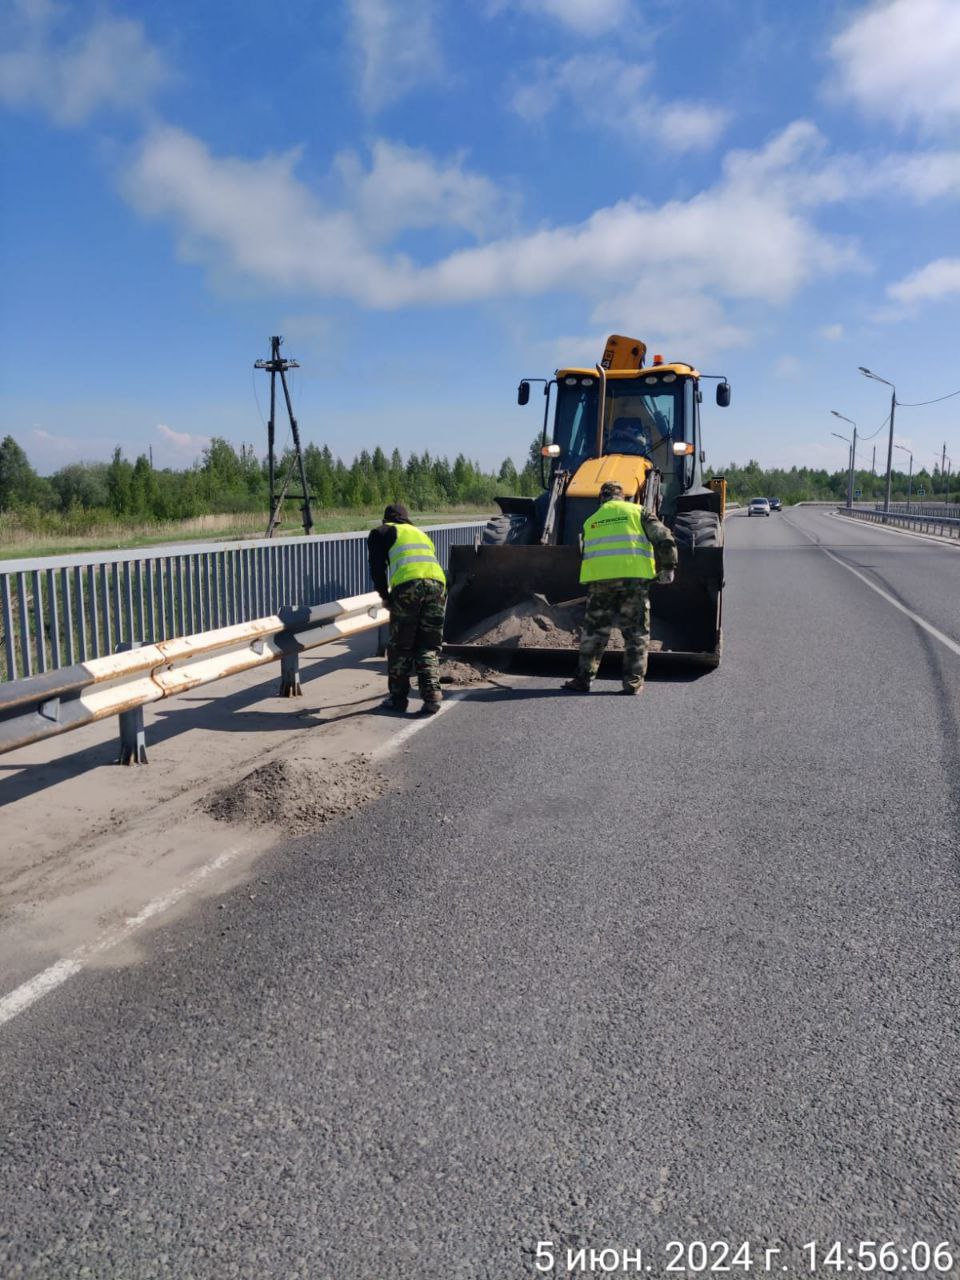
(412, 556)
(615, 545)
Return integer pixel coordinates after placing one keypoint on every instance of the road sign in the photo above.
(921, 491)
(858, 493)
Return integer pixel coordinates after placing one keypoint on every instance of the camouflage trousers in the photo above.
(416, 633)
(624, 603)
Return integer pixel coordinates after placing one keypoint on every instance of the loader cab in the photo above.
(651, 413)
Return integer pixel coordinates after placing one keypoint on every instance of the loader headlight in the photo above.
(681, 448)
(550, 451)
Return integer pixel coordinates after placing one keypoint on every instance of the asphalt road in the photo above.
(604, 972)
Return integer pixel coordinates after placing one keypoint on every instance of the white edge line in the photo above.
(55, 975)
(49, 979)
(415, 726)
(920, 622)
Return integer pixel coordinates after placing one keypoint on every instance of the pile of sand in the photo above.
(535, 623)
(464, 673)
(296, 796)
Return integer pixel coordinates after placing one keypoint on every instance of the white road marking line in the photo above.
(29, 992)
(25, 995)
(914, 617)
(906, 533)
(415, 726)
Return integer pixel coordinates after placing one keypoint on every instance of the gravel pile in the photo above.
(296, 796)
(535, 624)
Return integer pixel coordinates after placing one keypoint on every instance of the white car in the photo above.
(758, 507)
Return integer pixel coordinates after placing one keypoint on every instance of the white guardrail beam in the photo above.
(122, 684)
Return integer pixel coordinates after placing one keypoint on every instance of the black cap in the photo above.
(396, 513)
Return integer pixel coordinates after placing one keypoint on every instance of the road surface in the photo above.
(602, 972)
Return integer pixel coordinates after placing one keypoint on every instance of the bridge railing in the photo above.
(942, 526)
(61, 610)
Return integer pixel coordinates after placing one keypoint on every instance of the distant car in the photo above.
(758, 507)
(775, 504)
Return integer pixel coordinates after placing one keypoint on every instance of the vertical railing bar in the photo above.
(9, 646)
(150, 572)
(181, 595)
(127, 602)
(80, 613)
(93, 632)
(138, 574)
(203, 565)
(53, 598)
(26, 658)
(66, 596)
(107, 634)
(39, 622)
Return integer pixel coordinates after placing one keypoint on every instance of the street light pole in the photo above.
(904, 449)
(893, 405)
(853, 455)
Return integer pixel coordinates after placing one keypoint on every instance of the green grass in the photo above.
(16, 545)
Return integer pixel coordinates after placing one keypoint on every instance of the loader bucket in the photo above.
(504, 600)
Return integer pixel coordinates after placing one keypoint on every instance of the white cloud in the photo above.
(405, 189)
(182, 441)
(744, 238)
(613, 93)
(937, 280)
(686, 324)
(831, 332)
(110, 65)
(586, 17)
(898, 61)
(397, 46)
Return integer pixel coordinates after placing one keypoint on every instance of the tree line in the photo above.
(225, 480)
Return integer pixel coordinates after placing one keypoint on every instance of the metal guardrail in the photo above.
(942, 526)
(62, 610)
(950, 510)
(122, 684)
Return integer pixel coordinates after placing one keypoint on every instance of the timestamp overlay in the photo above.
(693, 1257)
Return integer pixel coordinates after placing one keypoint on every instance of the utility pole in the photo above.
(853, 454)
(150, 447)
(943, 463)
(893, 404)
(275, 366)
(873, 463)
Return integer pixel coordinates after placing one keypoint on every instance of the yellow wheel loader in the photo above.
(622, 420)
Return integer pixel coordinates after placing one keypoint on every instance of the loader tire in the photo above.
(697, 529)
(507, 531)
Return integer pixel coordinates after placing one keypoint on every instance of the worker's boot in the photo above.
(393, 705)
(431, 704)
(632, 690)
(576, 685)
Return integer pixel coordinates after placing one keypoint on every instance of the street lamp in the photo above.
(903, 448)
(853, 454)
(893, 404)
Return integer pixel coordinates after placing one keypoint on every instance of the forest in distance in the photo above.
(84, 496)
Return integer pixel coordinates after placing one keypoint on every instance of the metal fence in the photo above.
(943, 526)
(66, 609)
(950, 511)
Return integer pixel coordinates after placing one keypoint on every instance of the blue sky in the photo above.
(431, 199)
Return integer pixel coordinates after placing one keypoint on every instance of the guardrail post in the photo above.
(133, 740)
(290, 651)
(290, 675)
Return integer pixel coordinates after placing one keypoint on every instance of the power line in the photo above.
(878, 430)
(917, 403)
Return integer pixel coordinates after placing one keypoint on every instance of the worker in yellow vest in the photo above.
(405, 570)
(625, 551)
